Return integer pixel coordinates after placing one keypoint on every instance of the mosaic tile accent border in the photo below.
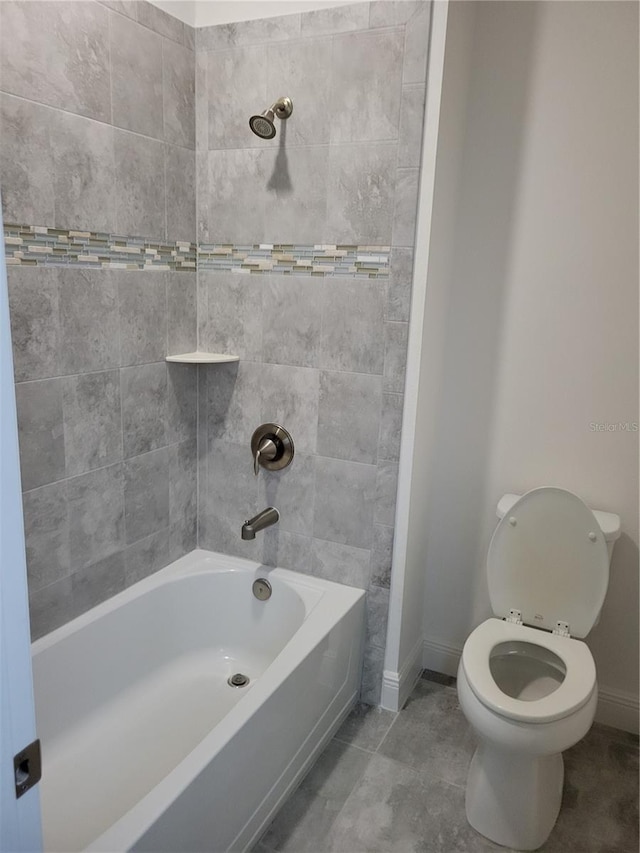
(35, 245)
(288, 259)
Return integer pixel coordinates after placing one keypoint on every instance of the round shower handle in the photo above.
(271, 447)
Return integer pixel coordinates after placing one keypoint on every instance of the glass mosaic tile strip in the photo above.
(35, 245)
(289, 259)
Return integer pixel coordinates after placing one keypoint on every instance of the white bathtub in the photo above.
(146, 747)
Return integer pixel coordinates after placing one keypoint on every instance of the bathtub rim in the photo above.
(326, 602)
(309, 588)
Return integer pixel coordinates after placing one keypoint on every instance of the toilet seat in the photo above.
(578, 685)
(548, 559)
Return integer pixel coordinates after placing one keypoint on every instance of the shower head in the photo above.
(263, 125)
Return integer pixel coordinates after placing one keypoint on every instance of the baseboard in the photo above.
(398, 686)
(618, 709)
(440, 657)
(615, 707)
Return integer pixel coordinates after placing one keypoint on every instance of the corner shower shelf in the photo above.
(202, 358)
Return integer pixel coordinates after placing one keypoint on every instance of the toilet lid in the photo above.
(548, 558)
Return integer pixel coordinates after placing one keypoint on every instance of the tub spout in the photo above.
(263, 519)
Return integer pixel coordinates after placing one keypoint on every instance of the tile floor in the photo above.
(395, 782)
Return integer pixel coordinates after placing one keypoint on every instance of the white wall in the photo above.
(541, 334)
(207, 13)
(440, 144)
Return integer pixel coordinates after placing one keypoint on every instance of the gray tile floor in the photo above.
(395, 782)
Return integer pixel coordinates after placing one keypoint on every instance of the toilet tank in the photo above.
(608, 522)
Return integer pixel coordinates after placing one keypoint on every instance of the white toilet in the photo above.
(526, 686)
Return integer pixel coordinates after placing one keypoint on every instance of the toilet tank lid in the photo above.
(609, 522)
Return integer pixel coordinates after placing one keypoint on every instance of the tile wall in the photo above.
(325, 357)
(102, 132)
(97, 135)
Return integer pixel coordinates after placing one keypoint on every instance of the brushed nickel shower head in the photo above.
(263, 125)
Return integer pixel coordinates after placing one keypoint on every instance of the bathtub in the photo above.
(145, 745)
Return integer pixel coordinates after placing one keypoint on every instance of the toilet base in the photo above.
(514, 799)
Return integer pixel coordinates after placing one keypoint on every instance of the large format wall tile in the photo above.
(233, 321)
(35, 326)
(84, 173)
(410, 134)
(415, 45)
(160, 21)
(180, 171)
(178, 86)
(136, 77)
(146, 494)
(324, 356)
(393, 13)
(144, 395)
(263, 31)
(40, 432)
(26, 161)
(57, 168)
(71, 72)
(92, 421)
(352, 327)
(341, 563)
(143, 317)
(301, 71)
(289, 490)
(291, 316)
(236, 90)
(295, 193)
(404, 214)
(46, 531)
(182, 328)
(236, 198)
(93, 584)
(96, 515)
(57, 54)
(335, 20)
(348, 416)
(366, 86)
(181, 403)
(140, 185)
(89, 333)
(344, 502)
(233, 397)
(231, 497)
(290, 397)
(360, 193)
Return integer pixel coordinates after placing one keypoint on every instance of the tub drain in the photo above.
(238, 680)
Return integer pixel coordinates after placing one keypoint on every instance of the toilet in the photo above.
(526, 681)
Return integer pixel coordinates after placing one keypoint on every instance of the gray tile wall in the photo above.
(97, 117)
(105, 140)
(97, 132)
(107, 430)
(324, 357)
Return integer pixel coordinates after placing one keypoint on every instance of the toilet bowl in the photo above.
(526, 681)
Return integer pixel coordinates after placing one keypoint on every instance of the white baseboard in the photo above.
(441, 657)
(398, 686)
(618, 709)
(615, 707)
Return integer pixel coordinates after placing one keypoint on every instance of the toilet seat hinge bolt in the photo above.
(515, 616)
(562, 629)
